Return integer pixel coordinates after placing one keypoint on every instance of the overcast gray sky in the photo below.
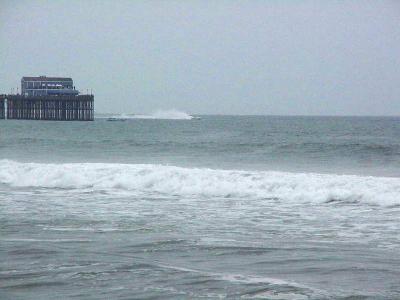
(211, 57)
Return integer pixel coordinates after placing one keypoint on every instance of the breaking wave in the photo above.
(139, 179)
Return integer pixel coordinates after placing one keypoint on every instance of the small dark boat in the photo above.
(116, 119)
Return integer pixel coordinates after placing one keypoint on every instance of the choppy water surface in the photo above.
(235, 207)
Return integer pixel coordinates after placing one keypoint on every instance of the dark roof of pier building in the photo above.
(45, 78)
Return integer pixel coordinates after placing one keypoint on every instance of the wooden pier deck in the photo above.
(56, 108)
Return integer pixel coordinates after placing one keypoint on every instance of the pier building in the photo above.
(47, 86)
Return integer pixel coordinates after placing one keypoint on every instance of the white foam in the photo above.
(248, 279)
(193, 182)
(47, 240)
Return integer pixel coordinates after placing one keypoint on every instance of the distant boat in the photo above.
(116, 119)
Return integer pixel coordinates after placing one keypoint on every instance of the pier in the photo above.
(47, 98)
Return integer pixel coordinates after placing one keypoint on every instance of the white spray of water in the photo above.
(171, 114)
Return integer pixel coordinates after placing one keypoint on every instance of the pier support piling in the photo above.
(2, 108)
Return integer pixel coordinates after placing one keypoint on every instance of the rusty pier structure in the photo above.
(47, 98)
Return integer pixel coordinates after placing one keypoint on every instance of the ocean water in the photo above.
(249, 207)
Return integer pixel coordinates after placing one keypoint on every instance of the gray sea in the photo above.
(236, 207)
